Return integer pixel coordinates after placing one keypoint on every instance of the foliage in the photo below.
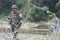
(58, 8)
(37, 15)
(29, 11)
(7, 3)
(51, 4)
(32, 13)
(5, 13)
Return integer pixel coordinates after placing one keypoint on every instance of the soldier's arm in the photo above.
(20, 15)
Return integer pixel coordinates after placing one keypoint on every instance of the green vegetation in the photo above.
(30, 8)
(58, 8)
(34, 11)
(5, 13)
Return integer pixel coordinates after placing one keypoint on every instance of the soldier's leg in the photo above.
(13, 31)
(16, 31)
(12, 27)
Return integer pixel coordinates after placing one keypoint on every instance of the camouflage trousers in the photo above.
(15, 30)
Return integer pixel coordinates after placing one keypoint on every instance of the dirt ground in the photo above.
(9, 36)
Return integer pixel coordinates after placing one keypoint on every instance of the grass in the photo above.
(48, 36)
(31, 26)
(25, 36)
(33, 36)
(28, 26)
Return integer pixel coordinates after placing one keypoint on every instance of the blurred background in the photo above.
(38, 17)
(31, 9)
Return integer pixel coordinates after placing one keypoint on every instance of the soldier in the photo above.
(15, 18)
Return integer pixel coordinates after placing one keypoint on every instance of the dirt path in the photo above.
(8, 36)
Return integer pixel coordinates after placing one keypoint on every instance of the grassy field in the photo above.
(22, 36)
(8, 36)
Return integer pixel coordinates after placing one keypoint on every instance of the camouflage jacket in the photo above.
(15, 17)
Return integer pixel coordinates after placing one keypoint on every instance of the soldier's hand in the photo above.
(6, 19)
(17, 26)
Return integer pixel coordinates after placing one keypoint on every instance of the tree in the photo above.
(7, 3)
(0, 7)
(51, 4)
(58, 8)
(5, 6)
(30, 11)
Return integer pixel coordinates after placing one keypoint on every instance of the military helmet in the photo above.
(14, 6)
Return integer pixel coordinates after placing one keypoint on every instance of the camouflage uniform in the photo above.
(14, 19)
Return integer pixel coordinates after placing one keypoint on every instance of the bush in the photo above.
(29, 11)
(32, 13)
(58, 8)
(37, 15)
